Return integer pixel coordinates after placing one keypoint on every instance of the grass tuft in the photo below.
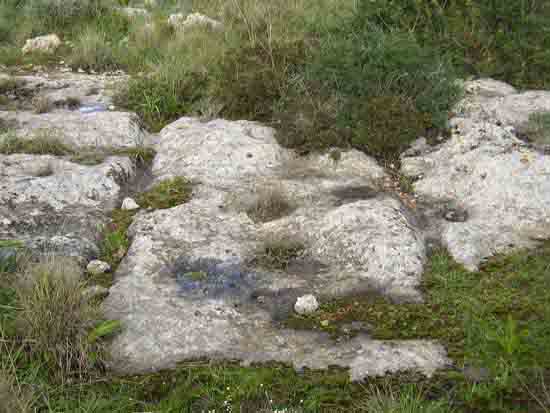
(166, 194)
(55, 319)
(278, 252)
(42, 143)
(270, 204)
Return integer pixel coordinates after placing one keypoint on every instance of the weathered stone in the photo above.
(181, 22)
(133, 12)
(97, 267)
(128, 204)
(59, 212)
(497, 185)
(96, 129)
(43, 44)
(61, 88)
(306, 304)
(188, 287)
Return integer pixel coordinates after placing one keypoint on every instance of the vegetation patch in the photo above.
(114, 241)
(270, 204)
(59, 328)
(536, 129)
(166, 194)
(494, 320)
(43, 143)
(278, 252)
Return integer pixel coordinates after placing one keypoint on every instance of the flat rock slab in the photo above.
(51, 203)
(190, 287)
(80, 130)
(494, 188)
(57, 87)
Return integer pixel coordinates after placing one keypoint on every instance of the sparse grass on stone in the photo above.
(277, 252)
(114, 241)
(269, 204)
(166, 194)
(536, 129)
(44, 142)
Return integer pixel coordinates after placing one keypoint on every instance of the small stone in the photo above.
(97, 267)
(111, 107)
(306, 304)
(129, 204)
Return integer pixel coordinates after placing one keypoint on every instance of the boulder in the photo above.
(43, 44)
(181, 22)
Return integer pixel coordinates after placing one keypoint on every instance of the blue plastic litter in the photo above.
(92, 109)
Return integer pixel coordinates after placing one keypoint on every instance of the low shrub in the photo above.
(93, 51)
(506, 40)
(162, 97)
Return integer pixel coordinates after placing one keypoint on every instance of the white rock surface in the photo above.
(128, 204)
(43, 44)
(181, 22)
(97, 267)
(187, 288)
(61, 211)
(96, 129)
(497, 182)
(306, 304)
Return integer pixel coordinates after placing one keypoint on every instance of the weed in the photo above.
(55, 319)
(43, 142)
(114, 241)
(166, 194)
(278, 252)
(536, 129)
(92, 51)
(161, 98)
(408, 399)
(270, 204)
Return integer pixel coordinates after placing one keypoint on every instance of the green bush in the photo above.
(92, 51)
(163, 97)
(507, 40)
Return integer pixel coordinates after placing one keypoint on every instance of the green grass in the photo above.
(277, 252)
(114, 242)
(166, 194)
(44, 143)
(495, 319)
(536, 129)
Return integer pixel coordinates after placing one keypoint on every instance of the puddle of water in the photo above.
(92, 108)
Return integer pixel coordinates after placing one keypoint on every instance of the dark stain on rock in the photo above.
(349, 194)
